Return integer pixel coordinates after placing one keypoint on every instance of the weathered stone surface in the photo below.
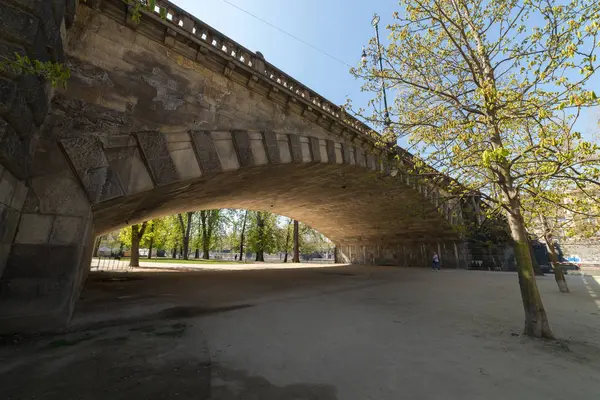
(226, 151)
(206, 152)
(35, 228)
(60, 194)
(8, 94)
(17, 24)
(349, 154)
(155, 149)
(67, 230)
(259, 153)
(244, 149)
(85, 152)
(272, 147)
(331, 156)
(186, 163)
(295, 148)
(8, 186)
(9, 221)
(315, 149)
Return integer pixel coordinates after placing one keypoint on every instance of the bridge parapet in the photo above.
(235, 56)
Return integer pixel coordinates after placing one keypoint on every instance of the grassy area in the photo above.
(177, 261)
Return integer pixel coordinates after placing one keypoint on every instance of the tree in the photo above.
(490, 101)
(286, 246)
(242, 235)
(209, 221)
(296, 258)
(185, 228)
(261, 234)
(137, 233)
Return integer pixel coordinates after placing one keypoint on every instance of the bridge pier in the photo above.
(453, 254)
(46, 262)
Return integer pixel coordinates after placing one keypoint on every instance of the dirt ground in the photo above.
(329, 333)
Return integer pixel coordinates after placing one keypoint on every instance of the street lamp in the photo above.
(375, 23)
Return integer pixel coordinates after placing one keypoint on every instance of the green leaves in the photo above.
(57, 74)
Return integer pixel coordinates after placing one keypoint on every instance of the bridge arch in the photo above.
(169, 116)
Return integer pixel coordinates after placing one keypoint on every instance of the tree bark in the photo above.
(296, 258)
(174, 253)
(559, 273)
(260, 227)
(287, 241)
(197, 254)
(151, 243)
(185, 233)
(242, 237)
(536, 321)
(137, 232)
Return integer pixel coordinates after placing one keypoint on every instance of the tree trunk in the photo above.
(287, 241)
(242, 236)
(536, 321)
(185, 233)
(260, 226)
(174, 253)
(151, 244)
(296, 258)
(197, 254)
(134, 261)
(206, 247)
(137, 233)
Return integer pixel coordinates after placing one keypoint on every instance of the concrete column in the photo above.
(51, 251)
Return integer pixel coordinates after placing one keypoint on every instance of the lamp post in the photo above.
(386, 115)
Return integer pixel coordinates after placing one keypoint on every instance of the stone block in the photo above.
(42, 261)
(285, 156)
(153, 144)
(48, 159)
(306, 152)
(244, 149)
(272, 147)
(349, 154)
(85, 153)
(59, 8)
(323, 151)
(163, 170)
(331, 154)
(206, 152)
(35, 95)
(8, 185)
(34, 228)
(131, 171)
(227, 154)
(4, 252)
(67, 230)
(295, 148)
(315, 150)
(60, 194)
(18, 25)
(19, 195)
(186, 164)
(20, 116)
(258, 152)
(8, 50)
(9, 221)
(8, 94)
(156, 151)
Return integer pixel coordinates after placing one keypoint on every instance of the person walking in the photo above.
(435, 264)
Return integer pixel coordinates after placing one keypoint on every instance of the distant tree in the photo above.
(209, 223)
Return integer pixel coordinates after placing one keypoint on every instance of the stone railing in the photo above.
(238, 54)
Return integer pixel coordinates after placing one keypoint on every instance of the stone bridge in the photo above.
(168, 115)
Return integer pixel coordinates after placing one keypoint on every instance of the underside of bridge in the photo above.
(153, 122)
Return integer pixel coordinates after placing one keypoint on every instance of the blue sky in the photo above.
(338, 27)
